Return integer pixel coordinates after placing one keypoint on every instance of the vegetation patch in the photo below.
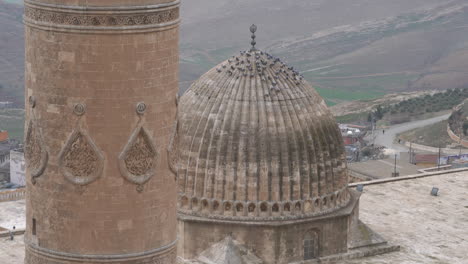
(353, 118)
(418, 107)
(458, 121)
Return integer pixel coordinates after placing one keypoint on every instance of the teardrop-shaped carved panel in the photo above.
(138, 159)
(80, 161)
(35, 153)
(173, 149)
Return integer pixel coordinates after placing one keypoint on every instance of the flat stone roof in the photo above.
(429, 229)
(12, 251)
(13, 214)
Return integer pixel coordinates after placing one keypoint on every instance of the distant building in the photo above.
(17, 167)
(4, 172)
(3, 135)
(7, 104)
(6, 145)
(352, 134)
(4, 152)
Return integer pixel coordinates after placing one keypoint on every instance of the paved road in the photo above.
(391, 132)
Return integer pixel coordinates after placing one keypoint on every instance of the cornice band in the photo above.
(162, 252)
(81, 19)
(100, 8)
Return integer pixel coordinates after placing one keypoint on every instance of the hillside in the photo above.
(349, 50)
(362, 50)
(400, 108)
(458, 120)
(11, 53)
(433, 136)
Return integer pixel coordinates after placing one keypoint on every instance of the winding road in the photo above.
(387, 139)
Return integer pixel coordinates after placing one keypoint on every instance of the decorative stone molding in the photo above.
(35, 153)
(80, 161)
(79, 109)
(101, 19)
(162, 255)
(263, 210)
(141, 108)
(137, 161)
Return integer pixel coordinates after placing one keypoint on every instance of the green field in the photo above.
(336, 90)
(12, 120)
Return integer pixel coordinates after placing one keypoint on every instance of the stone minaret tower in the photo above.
(101, 82)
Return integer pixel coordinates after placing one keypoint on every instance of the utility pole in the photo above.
(395, 173)
(461, 140)
(410, 153)
(438, 160)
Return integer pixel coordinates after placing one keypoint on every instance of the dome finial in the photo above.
(253, 29)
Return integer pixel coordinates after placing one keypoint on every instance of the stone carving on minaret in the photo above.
(80, 161)
(101, 19)
(35, 153)
(172, 150)
(137, 161)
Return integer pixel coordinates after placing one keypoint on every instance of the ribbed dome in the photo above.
(257, 142)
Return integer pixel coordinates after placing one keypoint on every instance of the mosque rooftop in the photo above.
(429, 229)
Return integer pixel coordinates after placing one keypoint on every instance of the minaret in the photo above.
(101, 85)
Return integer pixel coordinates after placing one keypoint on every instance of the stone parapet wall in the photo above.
(12, 195)
(443, 171)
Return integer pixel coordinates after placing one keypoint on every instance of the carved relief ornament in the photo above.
(173, 149)
(103, 18)
(137, 161)
(80, 160)
(36, 154)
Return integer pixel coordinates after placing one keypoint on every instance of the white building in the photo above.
(17, 167)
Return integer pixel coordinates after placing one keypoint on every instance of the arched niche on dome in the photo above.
(240, 209)
(228, 209)
(205, 206)
(264, 209)
(275, 210)
(298, 208)
(325, 204)
(184, 202)
(252, 210)
(216, 207)
(287, 208)
(317, 205)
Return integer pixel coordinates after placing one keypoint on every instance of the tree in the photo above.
(379, 112)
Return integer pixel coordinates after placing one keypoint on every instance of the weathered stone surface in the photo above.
(228, 251)
(257, 141)
(261, 158)
(87, 80)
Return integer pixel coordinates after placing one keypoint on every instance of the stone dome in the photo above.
(257, 142)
